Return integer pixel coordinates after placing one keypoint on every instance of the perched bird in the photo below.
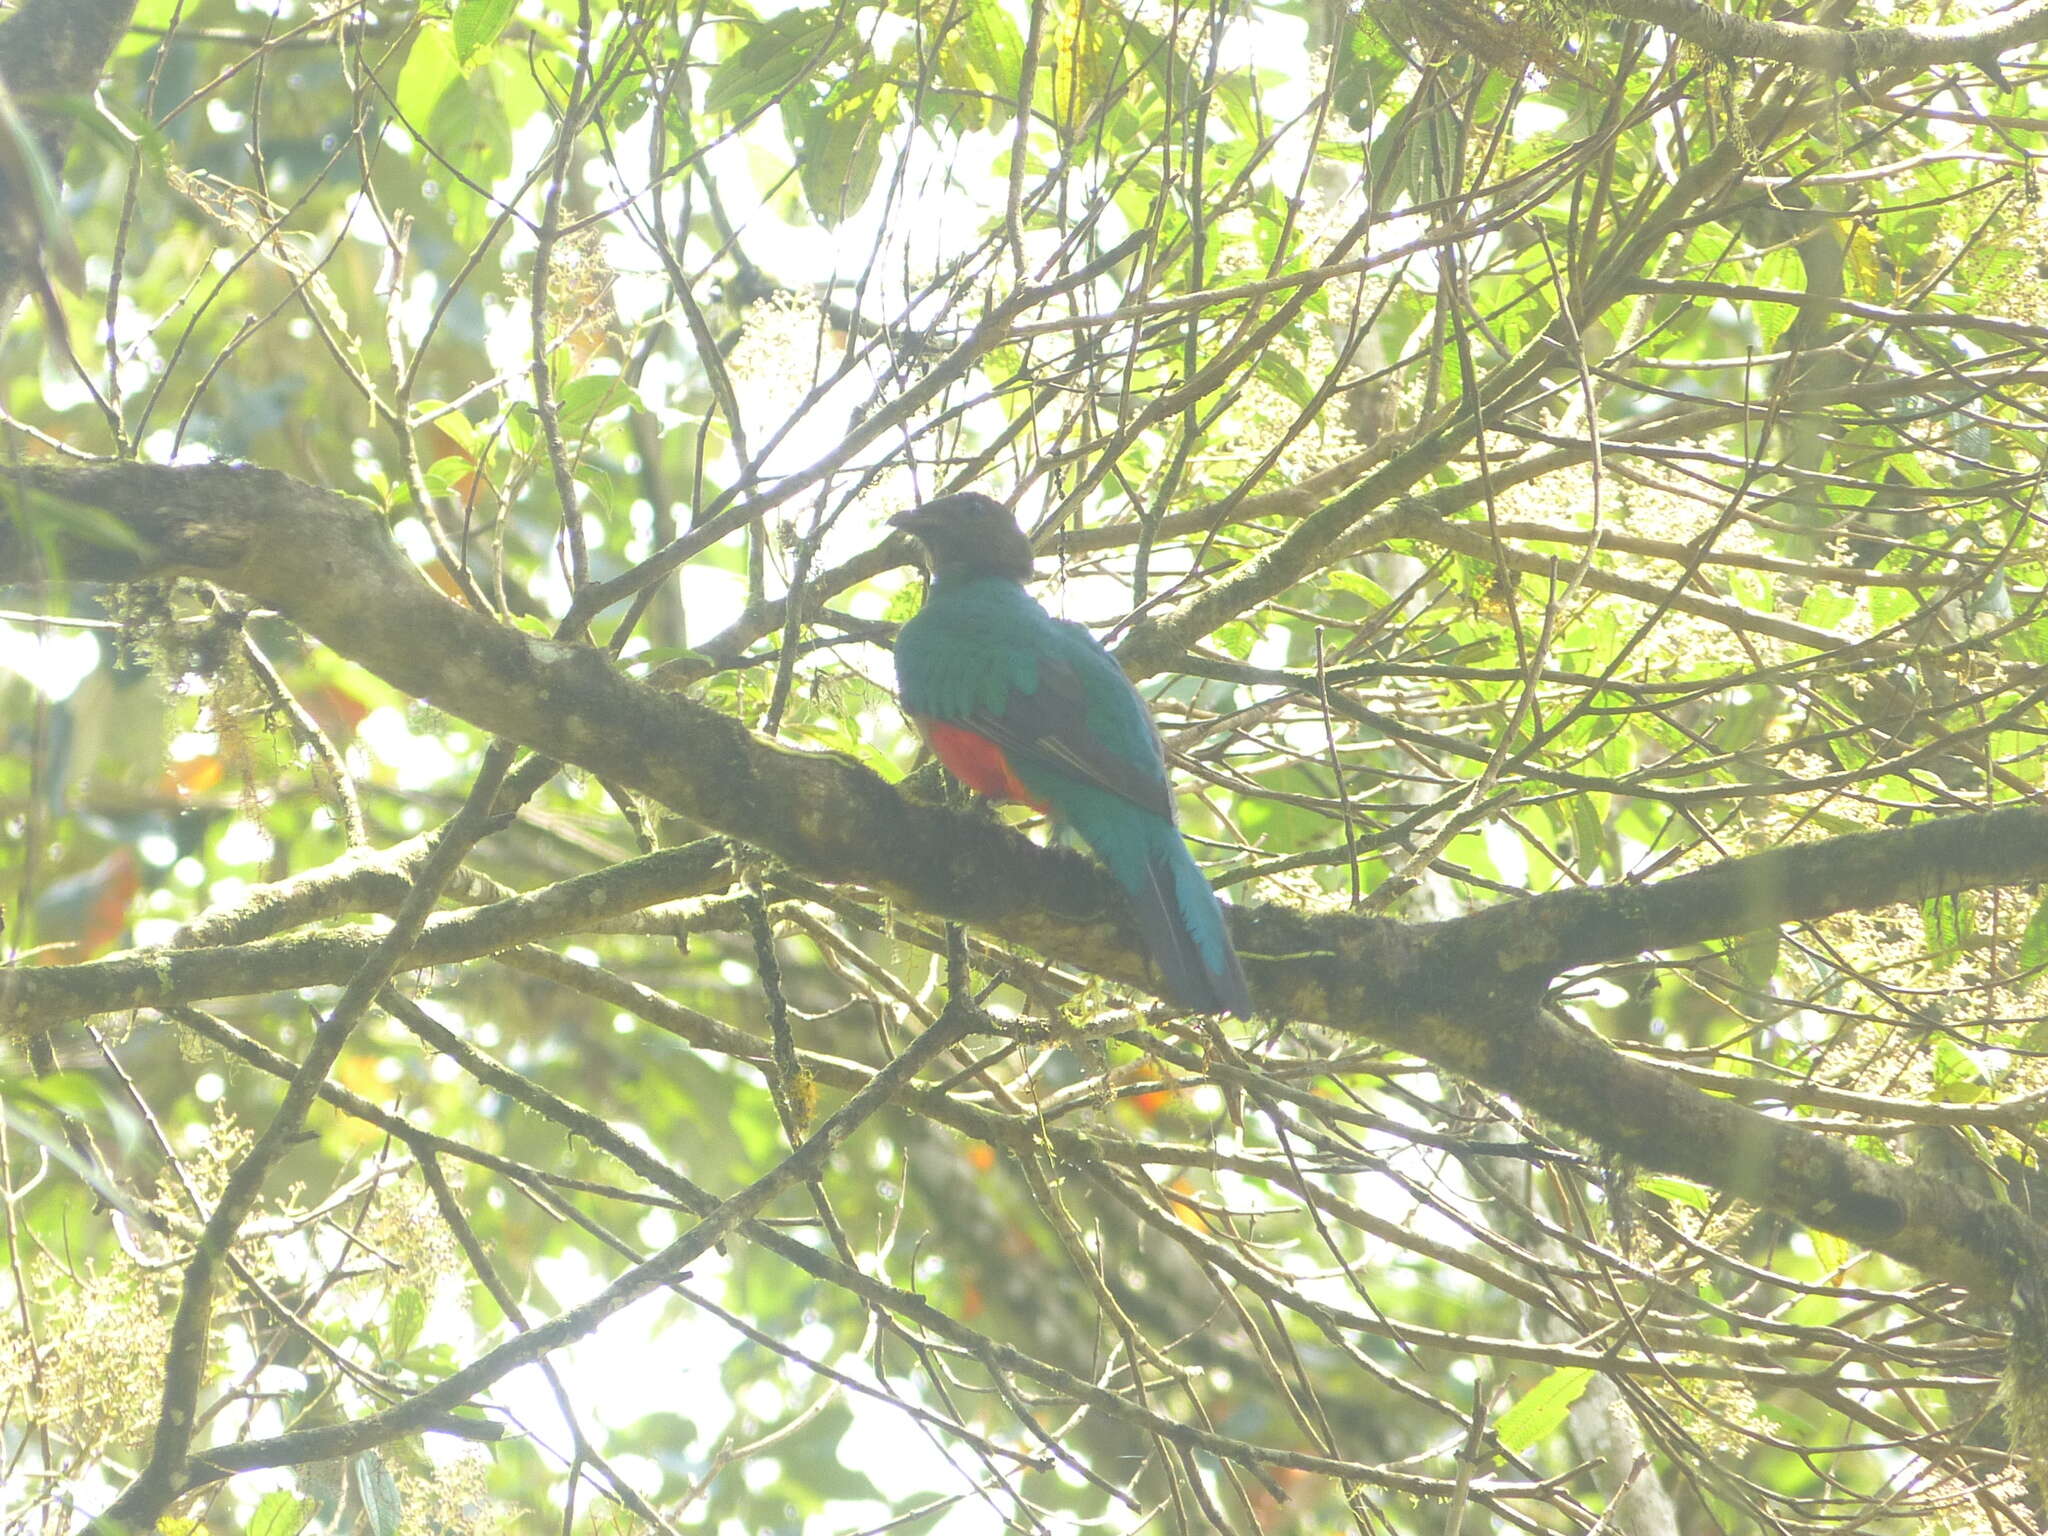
(1023, 706)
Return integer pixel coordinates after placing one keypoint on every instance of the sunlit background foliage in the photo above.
(1515, 451)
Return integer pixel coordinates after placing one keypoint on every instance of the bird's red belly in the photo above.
(976, 762)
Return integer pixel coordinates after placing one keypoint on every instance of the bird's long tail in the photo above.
(1178, 914)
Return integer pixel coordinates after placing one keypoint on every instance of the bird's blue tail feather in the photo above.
(1178, 914)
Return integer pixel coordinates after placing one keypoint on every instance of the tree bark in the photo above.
(1464, 993)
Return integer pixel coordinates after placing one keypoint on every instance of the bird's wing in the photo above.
(1040, 689)
(1072, 710)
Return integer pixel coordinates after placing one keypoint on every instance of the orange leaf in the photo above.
(196, 775)
(439, 575)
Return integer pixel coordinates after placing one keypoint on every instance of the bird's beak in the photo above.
(909, 521)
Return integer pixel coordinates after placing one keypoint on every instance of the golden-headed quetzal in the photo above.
(1023, 706)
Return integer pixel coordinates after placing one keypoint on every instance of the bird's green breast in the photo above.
(969, 646)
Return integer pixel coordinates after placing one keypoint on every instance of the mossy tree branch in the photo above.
(1727, 34)
(1465, 993)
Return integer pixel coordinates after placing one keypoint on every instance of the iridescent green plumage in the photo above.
(1025, 706)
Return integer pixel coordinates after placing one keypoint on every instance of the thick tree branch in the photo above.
(186, 972)
(1462, 993)
(1835, 50)
(1395, 968)
(339, 576)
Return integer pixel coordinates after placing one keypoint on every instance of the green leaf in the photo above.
(429, 70)
(118, 127)
(468, 126)
(522, 427)
(791, 47)
(1361, 66)
(1684, 1191)
(1833, 1252)
(443, 475)
(584, 400)
(2031, 643)
(600, 495)
(408, 1316)
(381, 1501)
(477, 25)
(1589, 833)
(990, 41)
(1082, 61)
(1909, 468)
(840, 144)
(1957, 1074)
(1176, 82)
(1358, 586)
(281, 1513)
(76, 1093)
(2034, 941)
(458, 427)
(1539, 1412)
(146, 26)
(979, 65)
(1753, 589)
(1890, 605)
(1945, 920)
(1236, 639)
(50, 521)
(1278, 370)
(1826, 606)
(35, 196)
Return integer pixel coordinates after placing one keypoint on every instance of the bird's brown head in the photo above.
(968, 534)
